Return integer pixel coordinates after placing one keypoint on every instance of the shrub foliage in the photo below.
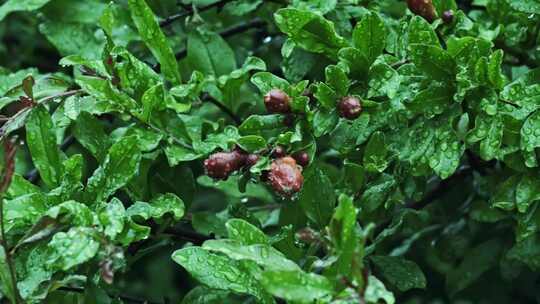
(250, 151)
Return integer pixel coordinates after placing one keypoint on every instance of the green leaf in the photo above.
(375, 153)
(317, 196)
(431, 101)
(399, 272)
(209, 53)
(73, 248)
(73, 38)
(369, 36)
(41, 141)
(296, 285)
(266, 81)
(337, 79)
(252, 143)
(177, 154)
(262, 125)
(433, 61)
(476, 262)
(112, 218)
(383, 81)
(264, 255)
(216, 271)
(158, 207)
(342, 230)
(527, 192)
(420, 32)
(245, 233)
(530, 133)
(527, 252)
(375, 292)
(120, 165)
(310, 31)
(526, 6)
(90, 133)
(205, 295)
(20, 5)
(151, 33)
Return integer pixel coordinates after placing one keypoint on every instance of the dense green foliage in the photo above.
(418, 131)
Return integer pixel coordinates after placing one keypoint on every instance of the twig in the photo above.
(169, 20)
(222, 107)
(7, 175)
(60, 95)
(237, 29)
(186, 235)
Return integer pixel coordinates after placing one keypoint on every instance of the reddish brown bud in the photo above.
(349, 107)
(277, 101)
(285, 176)
(251, 160)
(448, 16)
(423, 8)
(278, 152)
(302, 158)
(220, 165)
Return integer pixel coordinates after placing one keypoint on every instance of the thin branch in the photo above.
(169, 20)
(60, 95)
(223, 108)
(7, 175)
(236, 29)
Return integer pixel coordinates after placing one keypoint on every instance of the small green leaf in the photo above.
(209, 53)
(20, 5)
(149, 29)
(41, 141)
(73, 248)
(216, 271)
(245, 233)
(158, 207)
(310, 31)
(375, 153)
(120, 165)
(369, 36)
(399, 272)
(264, 255)
(337, 79)
(530, 132)
(297, 285)
(433, 61)
(317, 196)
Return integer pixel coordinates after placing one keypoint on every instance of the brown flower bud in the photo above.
(285, 176)
(423, 8)
(448, 16)
(220, 165)
(277, 101)
(302, 158)
(349, 107)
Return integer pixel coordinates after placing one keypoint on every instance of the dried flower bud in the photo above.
(277, 101)
(285, 176)
(423, 8)
(350, 107)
